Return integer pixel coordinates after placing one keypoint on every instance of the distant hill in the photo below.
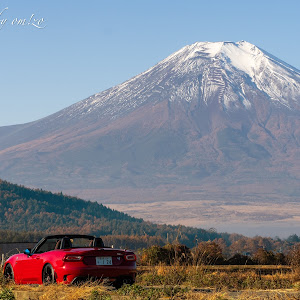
(34, 210)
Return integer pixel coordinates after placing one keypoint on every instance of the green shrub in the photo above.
(178, 254)
(294, 257)
(7, 294)
(96, 295)
(208, 253)
(137, 291)
(2, 280)
(264, 257)
(155, 255)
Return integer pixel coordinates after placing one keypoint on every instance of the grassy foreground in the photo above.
(176, 282)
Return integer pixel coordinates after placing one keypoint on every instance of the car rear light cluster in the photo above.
(130, 257)
(73, 258)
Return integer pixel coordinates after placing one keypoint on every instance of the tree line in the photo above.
(210, 253)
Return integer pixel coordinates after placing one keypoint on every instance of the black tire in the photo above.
(117, 284)
(48, 276)
(121, 281)
(9, 273)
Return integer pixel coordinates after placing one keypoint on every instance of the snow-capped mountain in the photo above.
(213, 117)
(203, 72)
(198, 72)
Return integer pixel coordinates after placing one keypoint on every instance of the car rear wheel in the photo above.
(123, 280)
(9, 272)
(48, 274)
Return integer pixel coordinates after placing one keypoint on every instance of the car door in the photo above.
(29, 268)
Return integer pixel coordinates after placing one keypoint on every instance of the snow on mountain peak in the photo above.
(273, 77)
(227, 72)
(242, 55)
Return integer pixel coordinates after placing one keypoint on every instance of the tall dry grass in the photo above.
(86, 291)
(174, 282)
(229, 278)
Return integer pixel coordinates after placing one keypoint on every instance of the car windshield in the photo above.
(48, 245)
(55, 243)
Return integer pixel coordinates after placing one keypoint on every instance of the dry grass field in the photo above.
(176, 282)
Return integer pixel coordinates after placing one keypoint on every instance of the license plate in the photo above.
(104, 261)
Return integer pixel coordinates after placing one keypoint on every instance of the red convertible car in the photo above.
(71, 258)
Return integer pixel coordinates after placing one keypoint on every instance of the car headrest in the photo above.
(98, 243)
(66, 243)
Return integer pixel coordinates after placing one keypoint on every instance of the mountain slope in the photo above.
(215, 121)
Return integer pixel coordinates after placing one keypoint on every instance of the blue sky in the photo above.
(89, 46)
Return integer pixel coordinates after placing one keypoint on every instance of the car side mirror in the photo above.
(27, 251)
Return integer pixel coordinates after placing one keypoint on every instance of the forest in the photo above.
(29, 214)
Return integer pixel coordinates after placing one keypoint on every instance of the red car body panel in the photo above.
(28, 269)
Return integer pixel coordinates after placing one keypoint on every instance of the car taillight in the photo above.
(72, 258)
(130, 257)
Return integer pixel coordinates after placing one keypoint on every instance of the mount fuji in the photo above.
(195, 139)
